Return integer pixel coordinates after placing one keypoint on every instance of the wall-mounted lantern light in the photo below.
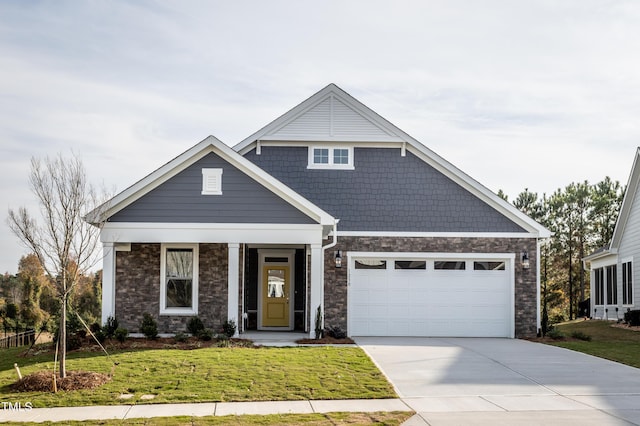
(338, 259)
(525, 260)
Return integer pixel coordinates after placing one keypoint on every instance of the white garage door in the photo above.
(430, 297)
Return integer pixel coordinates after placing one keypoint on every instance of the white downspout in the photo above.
(324, 248)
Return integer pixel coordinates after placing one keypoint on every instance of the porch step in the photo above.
(274, 338)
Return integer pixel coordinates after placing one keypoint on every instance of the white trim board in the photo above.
(429, 255)
(129, 232)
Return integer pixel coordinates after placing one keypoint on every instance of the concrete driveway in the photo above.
(466, 381)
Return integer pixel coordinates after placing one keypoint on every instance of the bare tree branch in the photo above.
(65, 244)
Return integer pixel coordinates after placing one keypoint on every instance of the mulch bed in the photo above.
(326, 341)
(625, 326)
(42, 381)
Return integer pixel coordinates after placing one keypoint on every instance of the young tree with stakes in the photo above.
(64, 243)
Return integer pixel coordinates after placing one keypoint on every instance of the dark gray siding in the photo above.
(385, 192)
(179, 200)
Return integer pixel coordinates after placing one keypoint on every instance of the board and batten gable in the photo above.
(331, 118)
(180, 200)
(384, 192)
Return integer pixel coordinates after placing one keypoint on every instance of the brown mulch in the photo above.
(326, 341)
(42, 381)
(625, 326)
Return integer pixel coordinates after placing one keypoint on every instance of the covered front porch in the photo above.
(271, 276)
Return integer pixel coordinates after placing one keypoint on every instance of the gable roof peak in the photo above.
(630, 194)
(210, 144)
(329, 115)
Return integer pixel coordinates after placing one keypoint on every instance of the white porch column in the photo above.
(108, 281)
(233, 286)
(317, 281)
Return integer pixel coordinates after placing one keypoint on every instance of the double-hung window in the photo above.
(599, 286)
(330, 157)
(612, 285)
(627, 283)
(179, 279)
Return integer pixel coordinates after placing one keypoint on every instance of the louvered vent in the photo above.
(211, 181)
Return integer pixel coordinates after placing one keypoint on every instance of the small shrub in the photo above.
(229, 328)
(581, 336)
(180, 337)
(632, 318)
(121, 334)
(74, 325)
(336, 332)
(95, 327)
(223, 341)
(555, 334)
(318, 328)
(100, 336)
(74, 341)
(149, 326)
(206, 334)
(195, 326)
(110, 327)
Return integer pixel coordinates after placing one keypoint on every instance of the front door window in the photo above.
(275, 296)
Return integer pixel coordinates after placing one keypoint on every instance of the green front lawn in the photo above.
(206, 375)
(613, 343)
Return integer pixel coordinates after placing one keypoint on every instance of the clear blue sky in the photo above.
(515, 93)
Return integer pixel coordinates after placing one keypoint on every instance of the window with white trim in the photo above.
(179, 279)
(330, 157)
(598, 286)
(627, 283)
(211, 181)
(612, 285)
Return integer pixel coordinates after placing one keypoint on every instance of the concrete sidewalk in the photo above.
(121, 412)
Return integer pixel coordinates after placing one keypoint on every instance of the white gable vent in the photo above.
(211, 181)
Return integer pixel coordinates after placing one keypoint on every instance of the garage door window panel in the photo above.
(489, 266)
(450, 265)
(410, 264)
(370, 264)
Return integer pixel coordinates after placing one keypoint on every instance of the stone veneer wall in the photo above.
(335, 294)
(138, 288)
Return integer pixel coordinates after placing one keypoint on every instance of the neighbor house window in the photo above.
(612, 285)
(598, 286)
(627, 283)
(321, 157)
(179, 279)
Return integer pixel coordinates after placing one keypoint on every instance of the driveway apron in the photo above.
(455, 381)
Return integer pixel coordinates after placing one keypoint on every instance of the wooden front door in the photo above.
(276, 292)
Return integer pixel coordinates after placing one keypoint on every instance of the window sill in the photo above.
(330, 167)
(178, 312)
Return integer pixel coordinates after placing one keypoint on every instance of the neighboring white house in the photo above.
(614, 287)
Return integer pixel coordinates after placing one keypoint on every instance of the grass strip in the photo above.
(206, 375)
(607, 341)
